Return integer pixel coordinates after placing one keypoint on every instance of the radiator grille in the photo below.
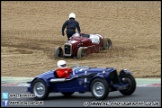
(67, 49)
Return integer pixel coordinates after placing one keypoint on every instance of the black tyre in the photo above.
(67, 94)
(81, 52)
(58, 52)
(99, 89)
(132, 84)
(107, 44)
(40, 89)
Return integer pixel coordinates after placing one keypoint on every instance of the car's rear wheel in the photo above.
(99, 88)
(81, 52)
(67, 94)
(58, 52)
(40, 89)
(107, 44)
(128, 78)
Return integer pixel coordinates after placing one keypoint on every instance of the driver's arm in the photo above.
(69, 70)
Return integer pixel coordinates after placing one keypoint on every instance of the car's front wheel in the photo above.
(40, 89)
(129, 79)
(99, 88)
(81, 52)
(58, 52)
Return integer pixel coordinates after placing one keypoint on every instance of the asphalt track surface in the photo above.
(143, 96)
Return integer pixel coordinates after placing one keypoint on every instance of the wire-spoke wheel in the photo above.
(99, 88)
(40, 89)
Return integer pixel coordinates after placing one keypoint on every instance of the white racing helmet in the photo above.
(72, 15)
(61, 64)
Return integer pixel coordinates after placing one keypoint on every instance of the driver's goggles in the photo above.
(64, 65)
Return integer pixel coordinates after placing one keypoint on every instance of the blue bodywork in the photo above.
(80, 79)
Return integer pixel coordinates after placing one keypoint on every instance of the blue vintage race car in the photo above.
(98, 81)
